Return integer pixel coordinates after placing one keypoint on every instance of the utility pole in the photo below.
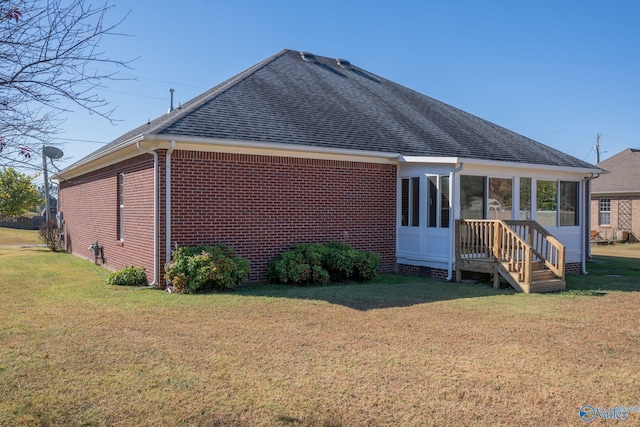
(597, 148)
(46, 184)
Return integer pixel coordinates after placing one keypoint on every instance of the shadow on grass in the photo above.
(386, 292)
(606, 274)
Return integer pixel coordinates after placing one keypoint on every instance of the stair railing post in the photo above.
(527, 267)
(496, 240)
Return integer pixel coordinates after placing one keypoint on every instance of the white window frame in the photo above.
(602, 213)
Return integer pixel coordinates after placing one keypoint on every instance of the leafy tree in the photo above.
(53, 193)
(547, 195)
(17, 193)
(49, 65)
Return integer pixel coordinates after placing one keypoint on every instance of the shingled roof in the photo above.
(307, 100)
(623, 174)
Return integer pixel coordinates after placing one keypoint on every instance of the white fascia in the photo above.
(495, 163)
(234, 145)
(113, 155)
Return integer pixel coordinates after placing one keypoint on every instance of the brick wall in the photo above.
(610, 232)
(90, 207)
(261, 205)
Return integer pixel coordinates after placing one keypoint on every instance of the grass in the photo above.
(401, 351)
(19, 237)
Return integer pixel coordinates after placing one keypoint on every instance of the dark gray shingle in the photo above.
(287, 100)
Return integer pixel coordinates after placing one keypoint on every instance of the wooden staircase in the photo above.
(522, 252)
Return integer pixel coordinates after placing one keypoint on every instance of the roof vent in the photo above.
(343, 63)
(171, 104)
(309, 57)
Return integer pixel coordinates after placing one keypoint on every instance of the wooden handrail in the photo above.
(545, 246)
(518, 243)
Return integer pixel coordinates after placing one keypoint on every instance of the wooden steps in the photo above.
(522, 252)
(551, 285)
(542, 280)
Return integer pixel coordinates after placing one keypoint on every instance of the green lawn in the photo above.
(401, 351)
(19, 237)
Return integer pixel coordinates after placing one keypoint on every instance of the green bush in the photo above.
(206, 268)
(128, 276)
(340, 261)
(366, 265)
(317, 264)
(301, 265)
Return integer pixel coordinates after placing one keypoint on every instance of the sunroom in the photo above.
(457, 214)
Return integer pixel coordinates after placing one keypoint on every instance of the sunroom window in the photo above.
(568, 203)
(547, 203)
(557, 203)
(410, 202)
(472, 197)
(499, 205)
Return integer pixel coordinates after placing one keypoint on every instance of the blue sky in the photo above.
(559, 72)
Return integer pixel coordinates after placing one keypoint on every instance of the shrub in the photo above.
(366, 265)
(50, 235)
(303, 264)
(340, 261)
(128, 276)
(313, 264)
(206, 268)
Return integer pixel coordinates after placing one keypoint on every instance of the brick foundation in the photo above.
(573, 268)
(420, 271)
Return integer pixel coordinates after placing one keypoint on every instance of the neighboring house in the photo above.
(615, 198)
(303, 148)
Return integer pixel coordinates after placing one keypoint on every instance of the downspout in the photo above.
(452, 231)
(587, 204)
(155, 211)
(167, 182)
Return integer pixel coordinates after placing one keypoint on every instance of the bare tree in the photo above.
(50, 64)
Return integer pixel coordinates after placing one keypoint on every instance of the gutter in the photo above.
(452, 231)
(155, 211)
(587, 203)
(167, 182)
(496, 163)
(235, 143)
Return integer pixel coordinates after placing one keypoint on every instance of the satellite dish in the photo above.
(52, 152)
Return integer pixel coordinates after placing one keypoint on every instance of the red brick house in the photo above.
(303, 148)
(615, 198)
